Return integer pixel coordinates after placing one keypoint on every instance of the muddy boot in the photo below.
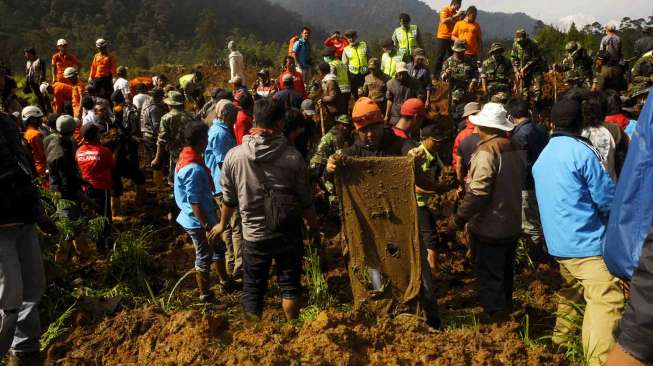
(219, 268)
(202, 279)
(116, 208)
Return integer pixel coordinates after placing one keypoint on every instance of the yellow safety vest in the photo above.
(184, 80)
(342, 76)
(389, 64)
(407, 40)
(357, 58)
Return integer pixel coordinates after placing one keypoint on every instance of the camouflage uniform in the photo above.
(171, 136)
(460, 73)
(642, 75)
(526, 55)
(577, 59)
(497, 72)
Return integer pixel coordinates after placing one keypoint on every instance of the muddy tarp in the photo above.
(380, 231)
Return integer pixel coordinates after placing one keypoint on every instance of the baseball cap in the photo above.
(366, 113)
(413, 107)
(401, 67)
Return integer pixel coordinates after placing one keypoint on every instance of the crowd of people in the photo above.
(243, 167)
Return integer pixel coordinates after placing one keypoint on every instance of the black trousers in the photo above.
(427, 227)
(102, 198)
(495, 270)
(442, 53)
(356, 81)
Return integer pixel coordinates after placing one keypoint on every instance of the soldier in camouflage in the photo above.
(642, 74)
(338, 137)
(171, 132)
(528, 65)
(461, 72)
(577, 59)
(496, 72)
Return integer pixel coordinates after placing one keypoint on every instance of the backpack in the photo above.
(291, 44)
(631, 215)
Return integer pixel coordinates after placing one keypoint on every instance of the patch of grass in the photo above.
(522, 258)
(130, 261)
(56, 328)
(461, 321)
(167, 306)
(573, 348)
(318, 289)
(526, 336)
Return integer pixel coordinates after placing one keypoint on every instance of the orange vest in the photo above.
(103, 65)
(62, 92)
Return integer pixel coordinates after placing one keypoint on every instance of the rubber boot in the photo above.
(202, 279)
(116, 207)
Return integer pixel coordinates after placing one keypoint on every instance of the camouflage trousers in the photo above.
(531, 88)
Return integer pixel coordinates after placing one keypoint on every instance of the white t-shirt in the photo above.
(123, 85)
(602, 140)
(141, 100)
(237, 65)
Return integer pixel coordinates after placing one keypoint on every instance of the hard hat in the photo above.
(43, 88)
(101, 42)
(66, 124)
(31, 111)
(61, 42)
(69, 72)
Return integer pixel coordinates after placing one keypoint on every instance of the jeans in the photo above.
(287, 251)
(587, 280)
(530, 217)
(205, 252)
(495, 268)
(22, 283)
(428, 297)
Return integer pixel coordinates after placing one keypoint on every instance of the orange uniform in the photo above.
(445, 29)
(103, 65)
(63, 92)
(61, 61)
(470, 33)
(77, 93)
(35, 140)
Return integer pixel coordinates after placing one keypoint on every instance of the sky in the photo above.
(562, 12)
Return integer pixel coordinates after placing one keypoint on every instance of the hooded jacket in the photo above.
(259, 159)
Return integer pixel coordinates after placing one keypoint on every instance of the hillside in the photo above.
(142, 32)
(377, 18)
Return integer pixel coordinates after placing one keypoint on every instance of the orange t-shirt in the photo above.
(471, 33)
(35, 140)
(62, 92)
(61, 62)
(77, 93)
(444, 29)
(103, 65)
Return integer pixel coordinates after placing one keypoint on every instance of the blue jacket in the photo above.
(193, 185)
(221, 140)
(632, 211)
(574, 193)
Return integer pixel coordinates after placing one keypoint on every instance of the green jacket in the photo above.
(527, 56)
(171, 130)
(497, 70)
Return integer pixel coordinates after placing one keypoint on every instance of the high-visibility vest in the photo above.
(357, 58)
(389, 64)
(407, 40)
(342, 76)
(184, 80)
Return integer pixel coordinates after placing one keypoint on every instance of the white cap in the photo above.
(493, 115)
(44, 88)
(401, 67)
(101, 42)
(31, 111)
(61, 42)
(69, 72)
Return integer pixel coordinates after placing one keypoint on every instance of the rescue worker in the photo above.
(355, 57)
(606, 75)
(469, 30)
(150, 121)
(449, 16)
(71, 77)
(301, 52)
(332, 100)
(496, 72)
(645, 43)
(104, 67)
(171, 132)
(642, 74)
(63, 60)
(527, 62)
(191, 85)
(389, 59)
(339, 70)
(375, 86)
(577, 59)
(34, 76)
(264, 86)
(406, 37)
(338, 42)
(32, 118)
(462, 74)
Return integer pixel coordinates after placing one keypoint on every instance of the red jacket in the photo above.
(339, 44)
(618, 119)
(242, 126)
(95, 164)
(466, 132)
(298, 82)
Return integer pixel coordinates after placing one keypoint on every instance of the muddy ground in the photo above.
(149, 326)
